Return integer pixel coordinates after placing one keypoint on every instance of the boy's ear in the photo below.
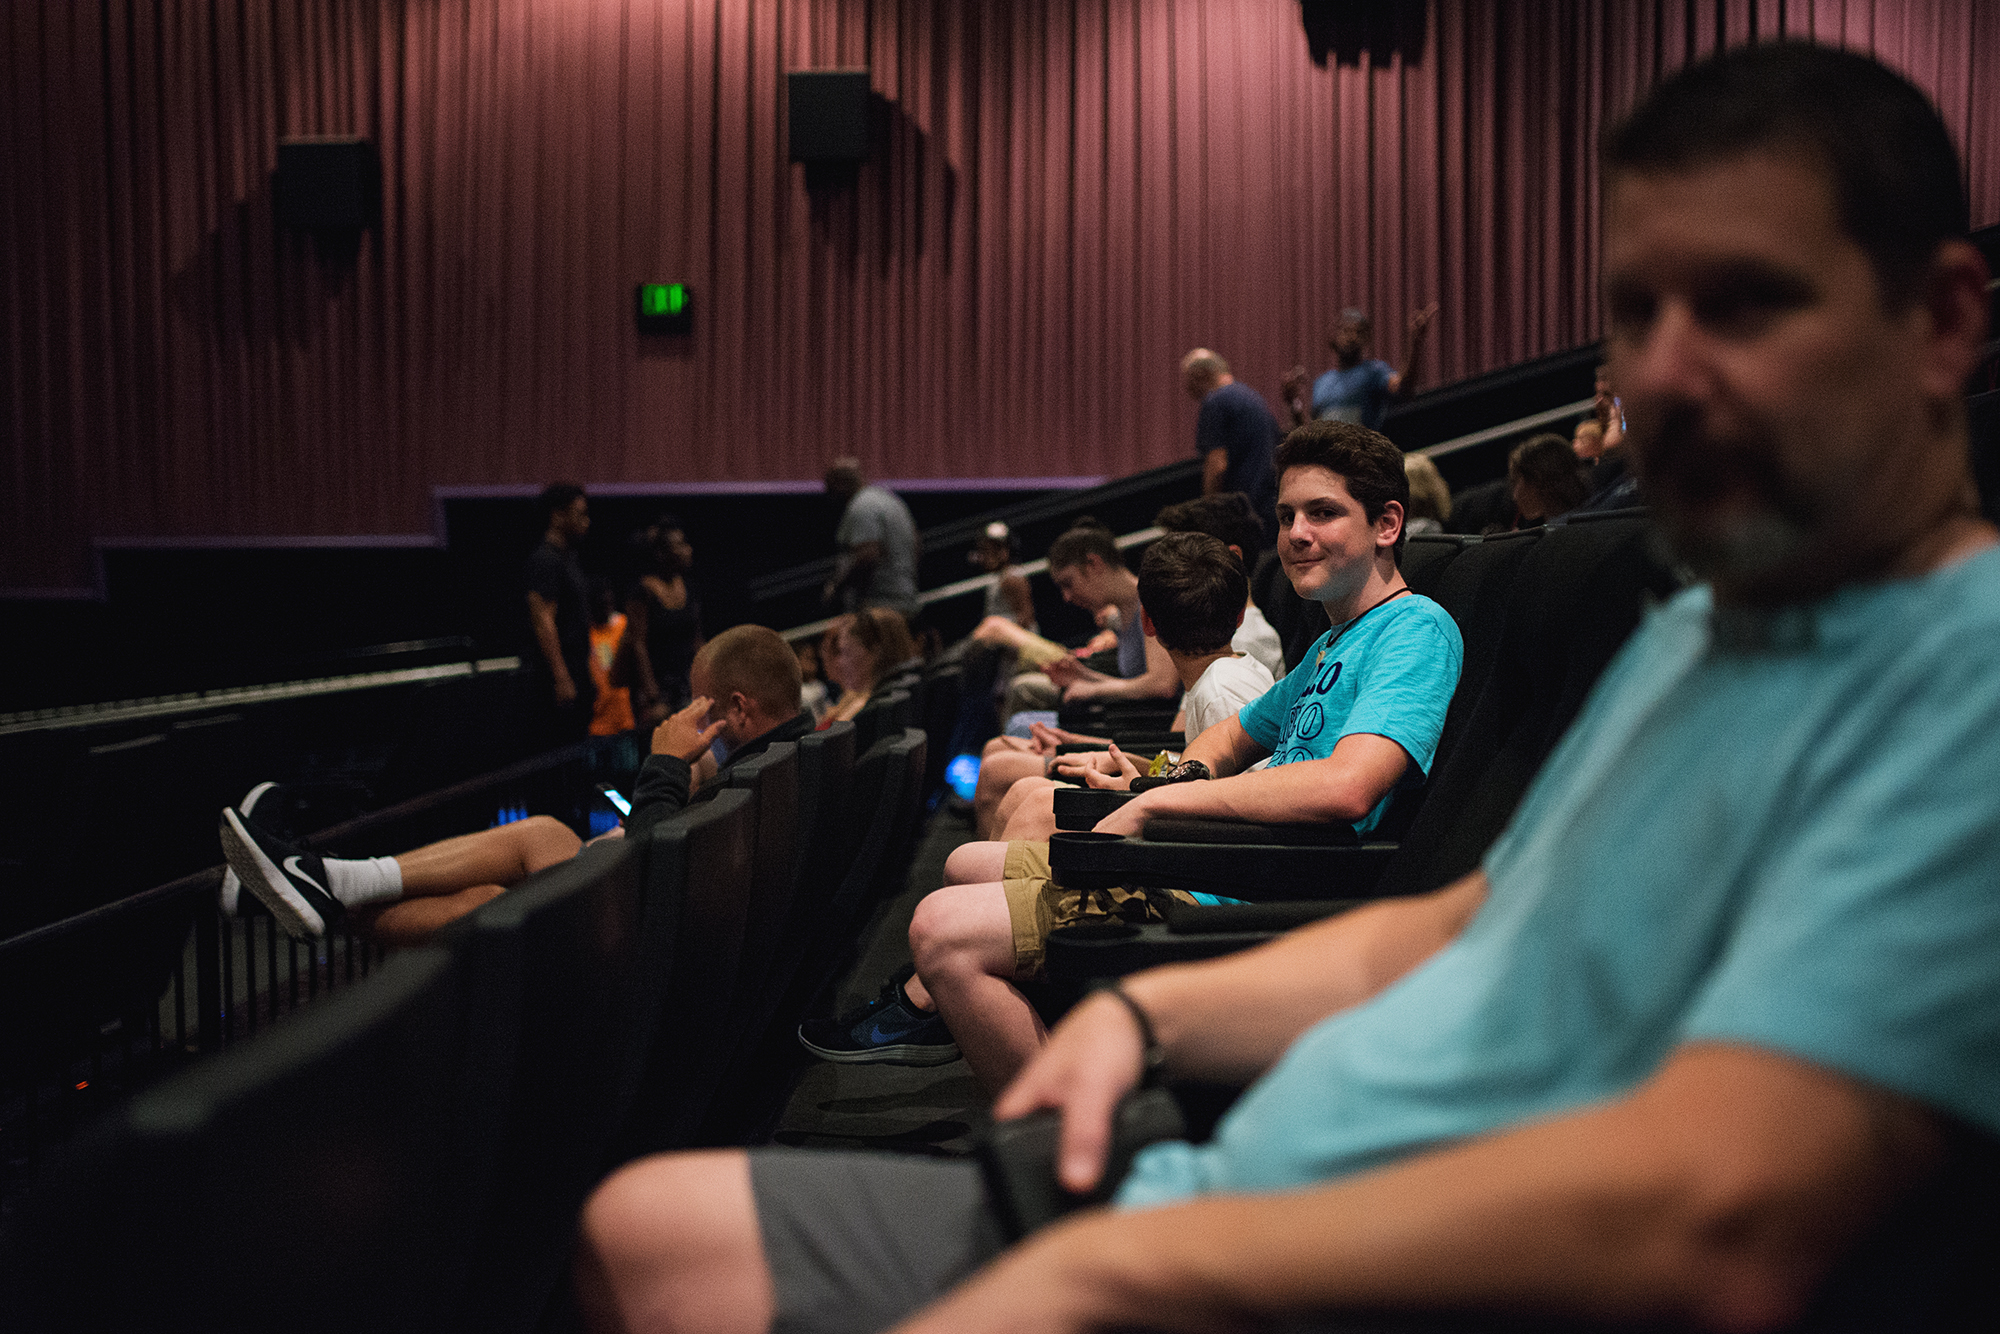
(1146, 622)
(1241, 612)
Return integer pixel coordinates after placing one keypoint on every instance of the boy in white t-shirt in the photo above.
(1185, 585)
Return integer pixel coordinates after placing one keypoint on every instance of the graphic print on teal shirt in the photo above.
(1391, 674)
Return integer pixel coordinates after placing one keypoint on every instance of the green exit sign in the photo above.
(666, 308)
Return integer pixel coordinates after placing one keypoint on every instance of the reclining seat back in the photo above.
(772, 779)
(1472, 585)
(944, 688)
(1578, 595)
(700, 861)
(316, 1176)
(562, 975)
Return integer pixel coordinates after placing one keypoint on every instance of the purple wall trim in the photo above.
(214, 542)
(788, 486)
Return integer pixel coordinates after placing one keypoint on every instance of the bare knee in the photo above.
(544, 841)
(670, 1243)
(962, 928)
(1034, 819)
(974, 863)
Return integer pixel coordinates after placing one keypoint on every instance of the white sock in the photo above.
(364, 880)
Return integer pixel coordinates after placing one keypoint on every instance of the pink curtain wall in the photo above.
(1070, 194)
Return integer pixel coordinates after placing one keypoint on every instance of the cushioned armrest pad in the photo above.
(1257, 872)
(1170, 829)
(1082, 807)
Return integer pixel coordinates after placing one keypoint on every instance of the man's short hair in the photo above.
(1548, 463)
(1225, 515)
(1371, 466)
(757, 662)
(1194, 590)
(1895, 176)
(1210, 364)
(555, 498)
(1086, 537)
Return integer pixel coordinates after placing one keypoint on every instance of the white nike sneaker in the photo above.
(231, 885)
(291, 883)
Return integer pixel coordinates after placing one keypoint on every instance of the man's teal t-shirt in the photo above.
(1389, 672)
(1788, 840)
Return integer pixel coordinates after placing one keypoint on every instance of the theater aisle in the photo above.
(900, 1108)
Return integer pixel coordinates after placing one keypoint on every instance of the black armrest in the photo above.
(1079, 808)
(1133, 742)
(1259, 872)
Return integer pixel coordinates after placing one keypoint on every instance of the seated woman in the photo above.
(1547, 479)
(871, 648)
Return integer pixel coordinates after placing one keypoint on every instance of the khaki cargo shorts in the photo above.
(1037, 905)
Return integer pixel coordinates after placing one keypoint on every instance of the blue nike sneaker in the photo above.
(886, 1031)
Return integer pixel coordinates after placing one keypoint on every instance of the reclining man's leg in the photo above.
(402, 900)
(1028, 814)
(442, 882)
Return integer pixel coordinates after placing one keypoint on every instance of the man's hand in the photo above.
(1107, 770)
(684, 733)
(1046, 738)
(1092, 1059)
(565, 691)
(1129, 819)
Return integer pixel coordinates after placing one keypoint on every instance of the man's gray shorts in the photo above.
(857, 1241)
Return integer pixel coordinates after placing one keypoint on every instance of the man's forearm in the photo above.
(1718, 1193)
(1229, 1019)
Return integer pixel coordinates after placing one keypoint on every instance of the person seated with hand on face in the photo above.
(1358, 718)
(1187, 581)
(746, 683)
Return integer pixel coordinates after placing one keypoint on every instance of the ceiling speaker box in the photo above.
(327, 184)
(828, 115)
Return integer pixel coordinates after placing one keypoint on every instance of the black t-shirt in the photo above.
(1234, 418)
(557, 575)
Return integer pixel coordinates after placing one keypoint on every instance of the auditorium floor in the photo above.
(931, 1110)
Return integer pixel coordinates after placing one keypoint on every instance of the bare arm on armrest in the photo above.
(1343, 787)
(1228, 1019)
(1717, 1193)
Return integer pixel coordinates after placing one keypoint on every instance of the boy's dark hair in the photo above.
(1364, 459)
(1896, 181)
(555, 498)
(1225, 516)
(1194, 590)
(1547, 463)
(1086, 537)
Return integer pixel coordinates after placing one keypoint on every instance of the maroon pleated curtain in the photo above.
(1068, 195)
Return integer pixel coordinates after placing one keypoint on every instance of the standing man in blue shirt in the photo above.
(1235, 436)
(1727, 990)
(1359, 388)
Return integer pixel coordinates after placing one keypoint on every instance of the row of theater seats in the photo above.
(411, 1152)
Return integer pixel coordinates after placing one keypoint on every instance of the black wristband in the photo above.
(1152, 1056)
(1187, 771)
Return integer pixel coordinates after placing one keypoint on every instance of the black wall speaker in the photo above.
(327, 184)
(828, 119)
